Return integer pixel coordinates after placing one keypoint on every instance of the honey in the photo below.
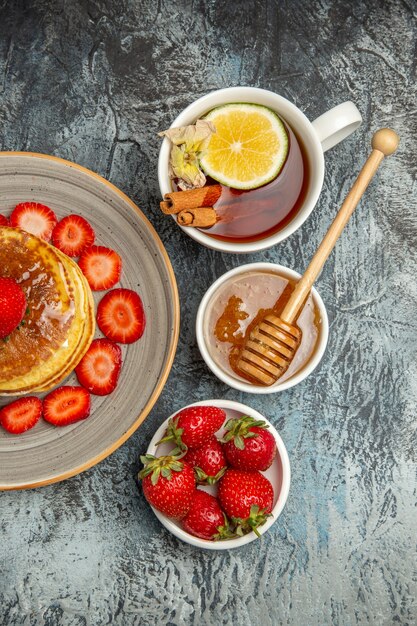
(235, 310)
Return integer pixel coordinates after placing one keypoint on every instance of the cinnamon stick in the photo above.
(200, 217)
(177, 201)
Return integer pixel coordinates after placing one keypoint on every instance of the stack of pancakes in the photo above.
(59, 322)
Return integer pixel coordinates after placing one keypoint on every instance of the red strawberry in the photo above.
(12, 306)
(72, 235)
(3, 220)
(66, 405)
(209, 462)
(34, 218)
(99, 369)
(205, 518)
(120, 315)
(248, 445)
(101, 266)
(21, 415)
(168, 484)
(194, 426)
(247, 498)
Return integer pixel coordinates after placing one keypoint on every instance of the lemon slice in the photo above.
(249, 147)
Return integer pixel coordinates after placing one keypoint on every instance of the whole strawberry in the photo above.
(247, 498)
(205, 518)
(208, 461)
(12, 306)
(248, 445)
(168, 484)
(194, 426)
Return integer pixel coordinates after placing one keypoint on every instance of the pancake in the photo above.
(84, 302)
(59, 324)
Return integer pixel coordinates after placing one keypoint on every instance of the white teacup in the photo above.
(318, 136)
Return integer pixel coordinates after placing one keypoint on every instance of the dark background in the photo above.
(93, 82)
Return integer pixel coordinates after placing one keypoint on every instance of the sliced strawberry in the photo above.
(99, 369)
(120, 316)
(101, 266)
(21, 415)
(3, 220)
(34, 218)
(66, 405)
(72, 235)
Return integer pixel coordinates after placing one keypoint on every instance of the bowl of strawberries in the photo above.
(216, 474)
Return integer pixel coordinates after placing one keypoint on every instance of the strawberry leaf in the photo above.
(157, 466)
(205, 479)
(239, 443)
(238, 428)
(166, 472)
(155, 475)
(174, 434)
(176, 466)
(256, 518)
(225, 532)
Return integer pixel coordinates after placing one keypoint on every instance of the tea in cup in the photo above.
(261, 215)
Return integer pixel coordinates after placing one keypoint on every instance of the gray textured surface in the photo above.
(93, 82)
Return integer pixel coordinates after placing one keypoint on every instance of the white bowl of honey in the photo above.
(256, 219)
(236, 302)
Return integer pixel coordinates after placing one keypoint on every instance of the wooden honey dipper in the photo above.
(272, 344)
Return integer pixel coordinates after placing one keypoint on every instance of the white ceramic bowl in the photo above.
(234, 381)
(317, 137)
(279, 474)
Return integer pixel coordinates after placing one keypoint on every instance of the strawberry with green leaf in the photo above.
(208, 461)
(205, 519)
(194, 426)
(248, 445)
(168, 484)
(247, 499)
